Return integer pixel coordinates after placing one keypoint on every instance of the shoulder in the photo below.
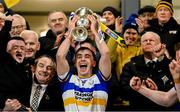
(49, 34)
(153, 22)
(101, 77)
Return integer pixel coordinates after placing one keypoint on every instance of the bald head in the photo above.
(32, 44)
(149, 40)
(151, 35)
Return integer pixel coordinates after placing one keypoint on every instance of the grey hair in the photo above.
(152, 33)
(20, 18)
(55, 11)
(28, 32)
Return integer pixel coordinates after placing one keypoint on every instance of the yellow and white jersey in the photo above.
(84, 95)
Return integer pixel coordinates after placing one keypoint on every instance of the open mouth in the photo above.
(19, 56)
(43, 74)
(83, 67)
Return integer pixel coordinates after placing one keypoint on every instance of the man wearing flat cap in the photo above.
(145, 14)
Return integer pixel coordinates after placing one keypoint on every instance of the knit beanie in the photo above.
(113, 10)
(165, 3)
(131, 23)
(147, 8)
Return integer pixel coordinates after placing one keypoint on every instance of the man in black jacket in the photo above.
(166, 26)
(57, 22)
(15, 81)
(153, 65)
(50, 98)
(45, 94)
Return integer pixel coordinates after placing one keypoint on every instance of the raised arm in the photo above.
(162, 98)
(166, 99)
(174, 67)
(104, 62)
(177, 85)
(62, 63)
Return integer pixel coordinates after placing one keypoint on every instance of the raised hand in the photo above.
(151, 84)
(174, 67)
(118, 24)
(93, 24)
(141, 24)
(135, 83)
(178, 56)
(159, 50)
(71, 26)
(72, 23)
(12, 105)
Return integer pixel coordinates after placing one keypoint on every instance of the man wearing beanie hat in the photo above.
(164, 11)
(113, 19)
(121, 55)
(166, 26)
(131, 23)
(165, 3)
(145, 14)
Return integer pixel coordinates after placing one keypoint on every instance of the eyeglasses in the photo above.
(17, 27)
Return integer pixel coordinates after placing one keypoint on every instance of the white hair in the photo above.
(29, 32)
(152, 33)
(21, 18)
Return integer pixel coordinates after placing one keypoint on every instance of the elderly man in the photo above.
(152, 64)
(57, 22)
(32, 47)
(15, 82)
(160, 97)
(18, 25)
(50, 98)
(45, 94)
(31, 41)
(166, 26)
